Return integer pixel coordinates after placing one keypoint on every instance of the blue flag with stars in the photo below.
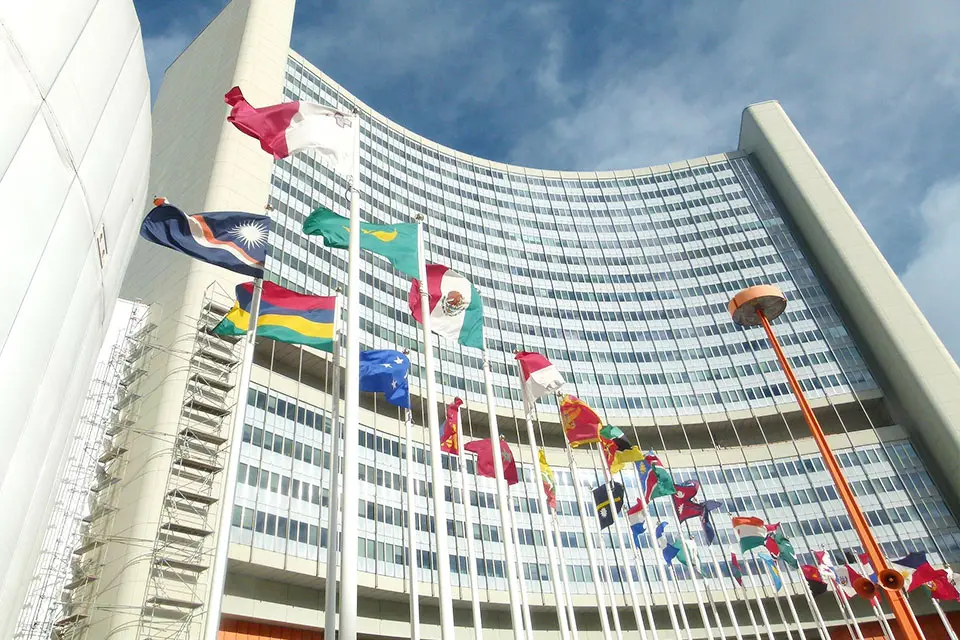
(385, 371)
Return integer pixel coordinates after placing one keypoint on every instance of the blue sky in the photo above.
(873, 86)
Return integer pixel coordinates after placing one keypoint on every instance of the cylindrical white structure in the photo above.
(74, 162)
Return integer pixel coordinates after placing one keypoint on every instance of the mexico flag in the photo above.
(456, 309)
(291, 126)
(539, 378)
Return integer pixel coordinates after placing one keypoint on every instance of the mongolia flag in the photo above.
(456, 309)
(750, 531)
(285, 128)
(229, 239)
(285, 316)
(485, 462)
(539, 377)
(581, 424)
(549, 482)
(449, 437)
(655, 481)
(636, 516)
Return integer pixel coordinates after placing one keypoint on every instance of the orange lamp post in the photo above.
(757, 306)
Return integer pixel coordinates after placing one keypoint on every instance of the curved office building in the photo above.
(621, 278)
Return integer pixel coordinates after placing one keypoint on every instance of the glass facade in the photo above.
(623, 281)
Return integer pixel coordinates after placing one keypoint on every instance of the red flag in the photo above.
(735, 569)
(941, 588)
(581, 424)
(683, 502)
(450, 436)
(485, 460)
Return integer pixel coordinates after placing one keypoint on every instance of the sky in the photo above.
(873, 86)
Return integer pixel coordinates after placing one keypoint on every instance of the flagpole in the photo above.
(821, 625)
(333, 506)
(776, 599)
(468, 521)
(679, 592)
(726, 596)
(848, 611)
(588, 541)
(875, 603)
(693, 575)
(411, 533)
(693, 553)
(944, 619)
(618, 535)
(218, 574)
(447, 629)
(658, 564)
(746, 598)
(790, 605)
(509, 553)
(351, 423)
(618, 629)
(555, 531)
(559, 591)
(515, 540)
(759, 600)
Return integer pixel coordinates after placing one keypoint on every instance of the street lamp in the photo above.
(757, 306)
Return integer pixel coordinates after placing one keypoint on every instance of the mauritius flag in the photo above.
(230, 239)
(456, 309)
(285, 316)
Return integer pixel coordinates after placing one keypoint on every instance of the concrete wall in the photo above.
(200, 163)
(74, 158)
(920, 377)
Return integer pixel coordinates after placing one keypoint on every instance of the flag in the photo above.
(602, 501)
(683, 502)
(636, 516)
(655, 481)
(285, 316)
(772, 569)
(915, 569)
(450, 434)
(709, 533)
(285, 128)
(941, 587)
(735, 569)
(865, 564)
(456, 308)
(852, 576)
(485, 462)
(539, 378)
(814, 580)
(385, 371)
(549, 482)
(230, 239)
(670, 550)
(617, 450)
(581, 424)
(750, 531)
(780, 546)
(395, 242)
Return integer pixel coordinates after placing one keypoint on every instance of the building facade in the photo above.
(621, 278)
(74, 164)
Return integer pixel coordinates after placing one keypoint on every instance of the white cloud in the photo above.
(933, 276)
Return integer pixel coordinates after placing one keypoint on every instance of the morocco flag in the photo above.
(539, 378)
(456, 309)
(485, 462)
(291, 126)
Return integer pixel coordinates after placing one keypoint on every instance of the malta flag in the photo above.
(485, 462)
(450, 436)
(285, 128)
(456, 309)
(539, 378)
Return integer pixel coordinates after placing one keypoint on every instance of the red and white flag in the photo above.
(539, 378)
(285, 128)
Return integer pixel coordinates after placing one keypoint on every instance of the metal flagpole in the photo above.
(568, 593)
(746, 602)
(218, 575)
(509, 553)
(790, 605)
(514, 539)
(845, 605)
(591, 552)
(351, 423)
(758, 598)
(821, 625)
(468, 522)
(943, 618)
(447, 629)
(726, 596)
(333, 515)
(559, 592)
(607, 582)
(693, 554)
(693, 575)
(411, 534)
(618, 536)
(679, 593)
(658, 564)
(776, 601)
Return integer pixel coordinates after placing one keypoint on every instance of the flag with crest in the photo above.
(581, 424)
(450, 434)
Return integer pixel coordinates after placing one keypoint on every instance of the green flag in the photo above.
(395, 242)
(611, 432)
(786, 551)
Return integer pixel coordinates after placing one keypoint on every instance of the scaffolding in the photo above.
(60, 570)
(176, 592)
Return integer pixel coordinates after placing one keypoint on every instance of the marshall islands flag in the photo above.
(285, 316)
(229, 239)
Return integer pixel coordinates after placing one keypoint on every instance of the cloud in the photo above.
(931, 277)
(161, 50)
